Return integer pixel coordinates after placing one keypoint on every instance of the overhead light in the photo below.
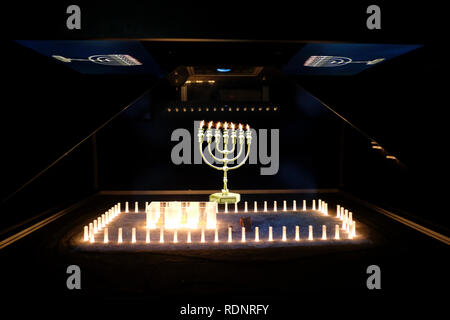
(223, 69)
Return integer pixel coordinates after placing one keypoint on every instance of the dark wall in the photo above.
(47, 108)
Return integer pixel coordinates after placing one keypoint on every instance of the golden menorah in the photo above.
(223, 137)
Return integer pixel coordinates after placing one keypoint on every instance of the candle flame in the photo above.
(218, 124)
(225, 125)
(202, 124)
(248, 128)
(210, 124)
(240, 126)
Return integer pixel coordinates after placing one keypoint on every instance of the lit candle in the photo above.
(284, 205)
(126, 207)
(217, 131)
(95, 226)
(297, 233)
(216, 235)
(86, 233)
(353, 229)
(304, 205)
(200, 132)
(344, 226)
(118, 207)
(256, 234)
(103, 220)
(189, 240)
(284, 234)
(241, 134)
(245, 206)
(226, 207)
(230, 235)
(265, 206)
(255, 206)
(136, 207)
(161, 235)
(209, 132)
(249, 135)
(92, 238)
(324, 232)
(235, 207)
(320, 205)
(99, 223)
(175, 236)
(314, 204)
(338, 211)
(294, 205)
(147, 236)
(326, 209)
(342, 213)
(233, 133)
(133, 235)
(336, 235)
(119, 235)
(225, 133)
(105, 235)
(350, 217)
(270, 234)
(310, 231)
(275, 206)
(243, 234)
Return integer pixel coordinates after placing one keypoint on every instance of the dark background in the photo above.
(47, 107)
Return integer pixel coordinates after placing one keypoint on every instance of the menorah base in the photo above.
(222, 198)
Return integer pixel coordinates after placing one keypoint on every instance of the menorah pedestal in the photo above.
(222, 198)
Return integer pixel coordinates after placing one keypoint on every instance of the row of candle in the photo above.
(346, 217)
(318, 205)
(322, 207)
(90, 236)
(101, 222)
(217, 133)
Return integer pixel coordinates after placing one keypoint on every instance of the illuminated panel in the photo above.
(98, 56)
(193, 215)
(172, 215)
(342, 59)
(211, 217)
(153, 214)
